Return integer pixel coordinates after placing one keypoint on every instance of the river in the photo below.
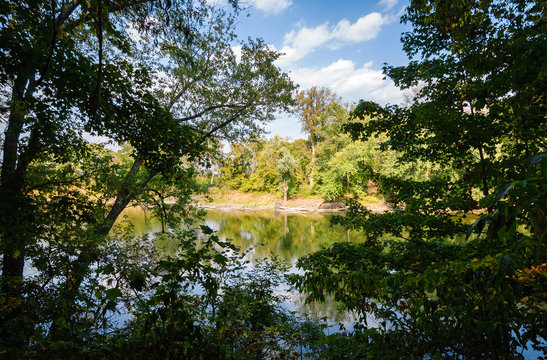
(284, 234)
(287, 235)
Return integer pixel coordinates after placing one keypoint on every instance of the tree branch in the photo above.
(211, 108)
(227, 122)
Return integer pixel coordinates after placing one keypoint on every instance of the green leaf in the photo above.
(504, 192)
(478, 225)
(206, 230)
(113, 294)
(137, 280)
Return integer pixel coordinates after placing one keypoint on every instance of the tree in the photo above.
(300, 150)
(344, 171)
(286, 165)
(316, 106)
(263, 175)
(444, 288)
(471, 111)
(237, 165)
(160, 76)
(480, 77)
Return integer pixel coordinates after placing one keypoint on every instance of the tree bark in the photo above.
(11, 185)
(312, 163)
(14, 214)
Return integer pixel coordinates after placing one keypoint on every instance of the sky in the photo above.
(337, 44)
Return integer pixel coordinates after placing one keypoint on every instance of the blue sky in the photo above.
(338, 44)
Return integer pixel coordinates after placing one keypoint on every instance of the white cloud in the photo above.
(351, 82)
(365, 28)
(271, 6)
(387, 4)
(298, 44)
(218, 3)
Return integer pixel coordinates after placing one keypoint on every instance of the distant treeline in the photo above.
(328, 163)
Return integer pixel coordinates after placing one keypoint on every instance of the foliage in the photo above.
(199, 306)
(162, 80)
(263, 175)
(198, 301)
(439, 288)
(159, 78)
(344, 172)
(315, 107)
(286, 166)
(477, 104)
(482, 298)
(236, 165)
(340, 167)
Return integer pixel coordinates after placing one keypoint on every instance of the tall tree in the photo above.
(160, 76)
(316, 106)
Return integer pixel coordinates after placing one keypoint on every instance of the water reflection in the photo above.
(286, 235)
(289, 236)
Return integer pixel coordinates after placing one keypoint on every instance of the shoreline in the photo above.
(237, 207)
(238, 201)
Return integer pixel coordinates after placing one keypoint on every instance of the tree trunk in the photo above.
(312, 163)
(124, 196)
(347, 181)
(285, 189)
(481, 154)
(14, 217)
(80, 267)
(12, 198)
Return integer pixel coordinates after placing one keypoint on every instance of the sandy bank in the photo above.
(239, 201)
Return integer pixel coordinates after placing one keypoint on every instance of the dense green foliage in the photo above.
(443, 289)
(329, 164)
(161, 80)
(341, 167)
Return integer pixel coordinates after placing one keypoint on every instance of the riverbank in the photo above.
(228, 200)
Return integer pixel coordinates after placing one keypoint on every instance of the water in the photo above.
(286, 235)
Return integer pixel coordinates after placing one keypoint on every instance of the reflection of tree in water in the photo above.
(284, 234)
(329, 309)
(287, 235)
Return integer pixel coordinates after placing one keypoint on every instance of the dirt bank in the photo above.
(235, 200)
